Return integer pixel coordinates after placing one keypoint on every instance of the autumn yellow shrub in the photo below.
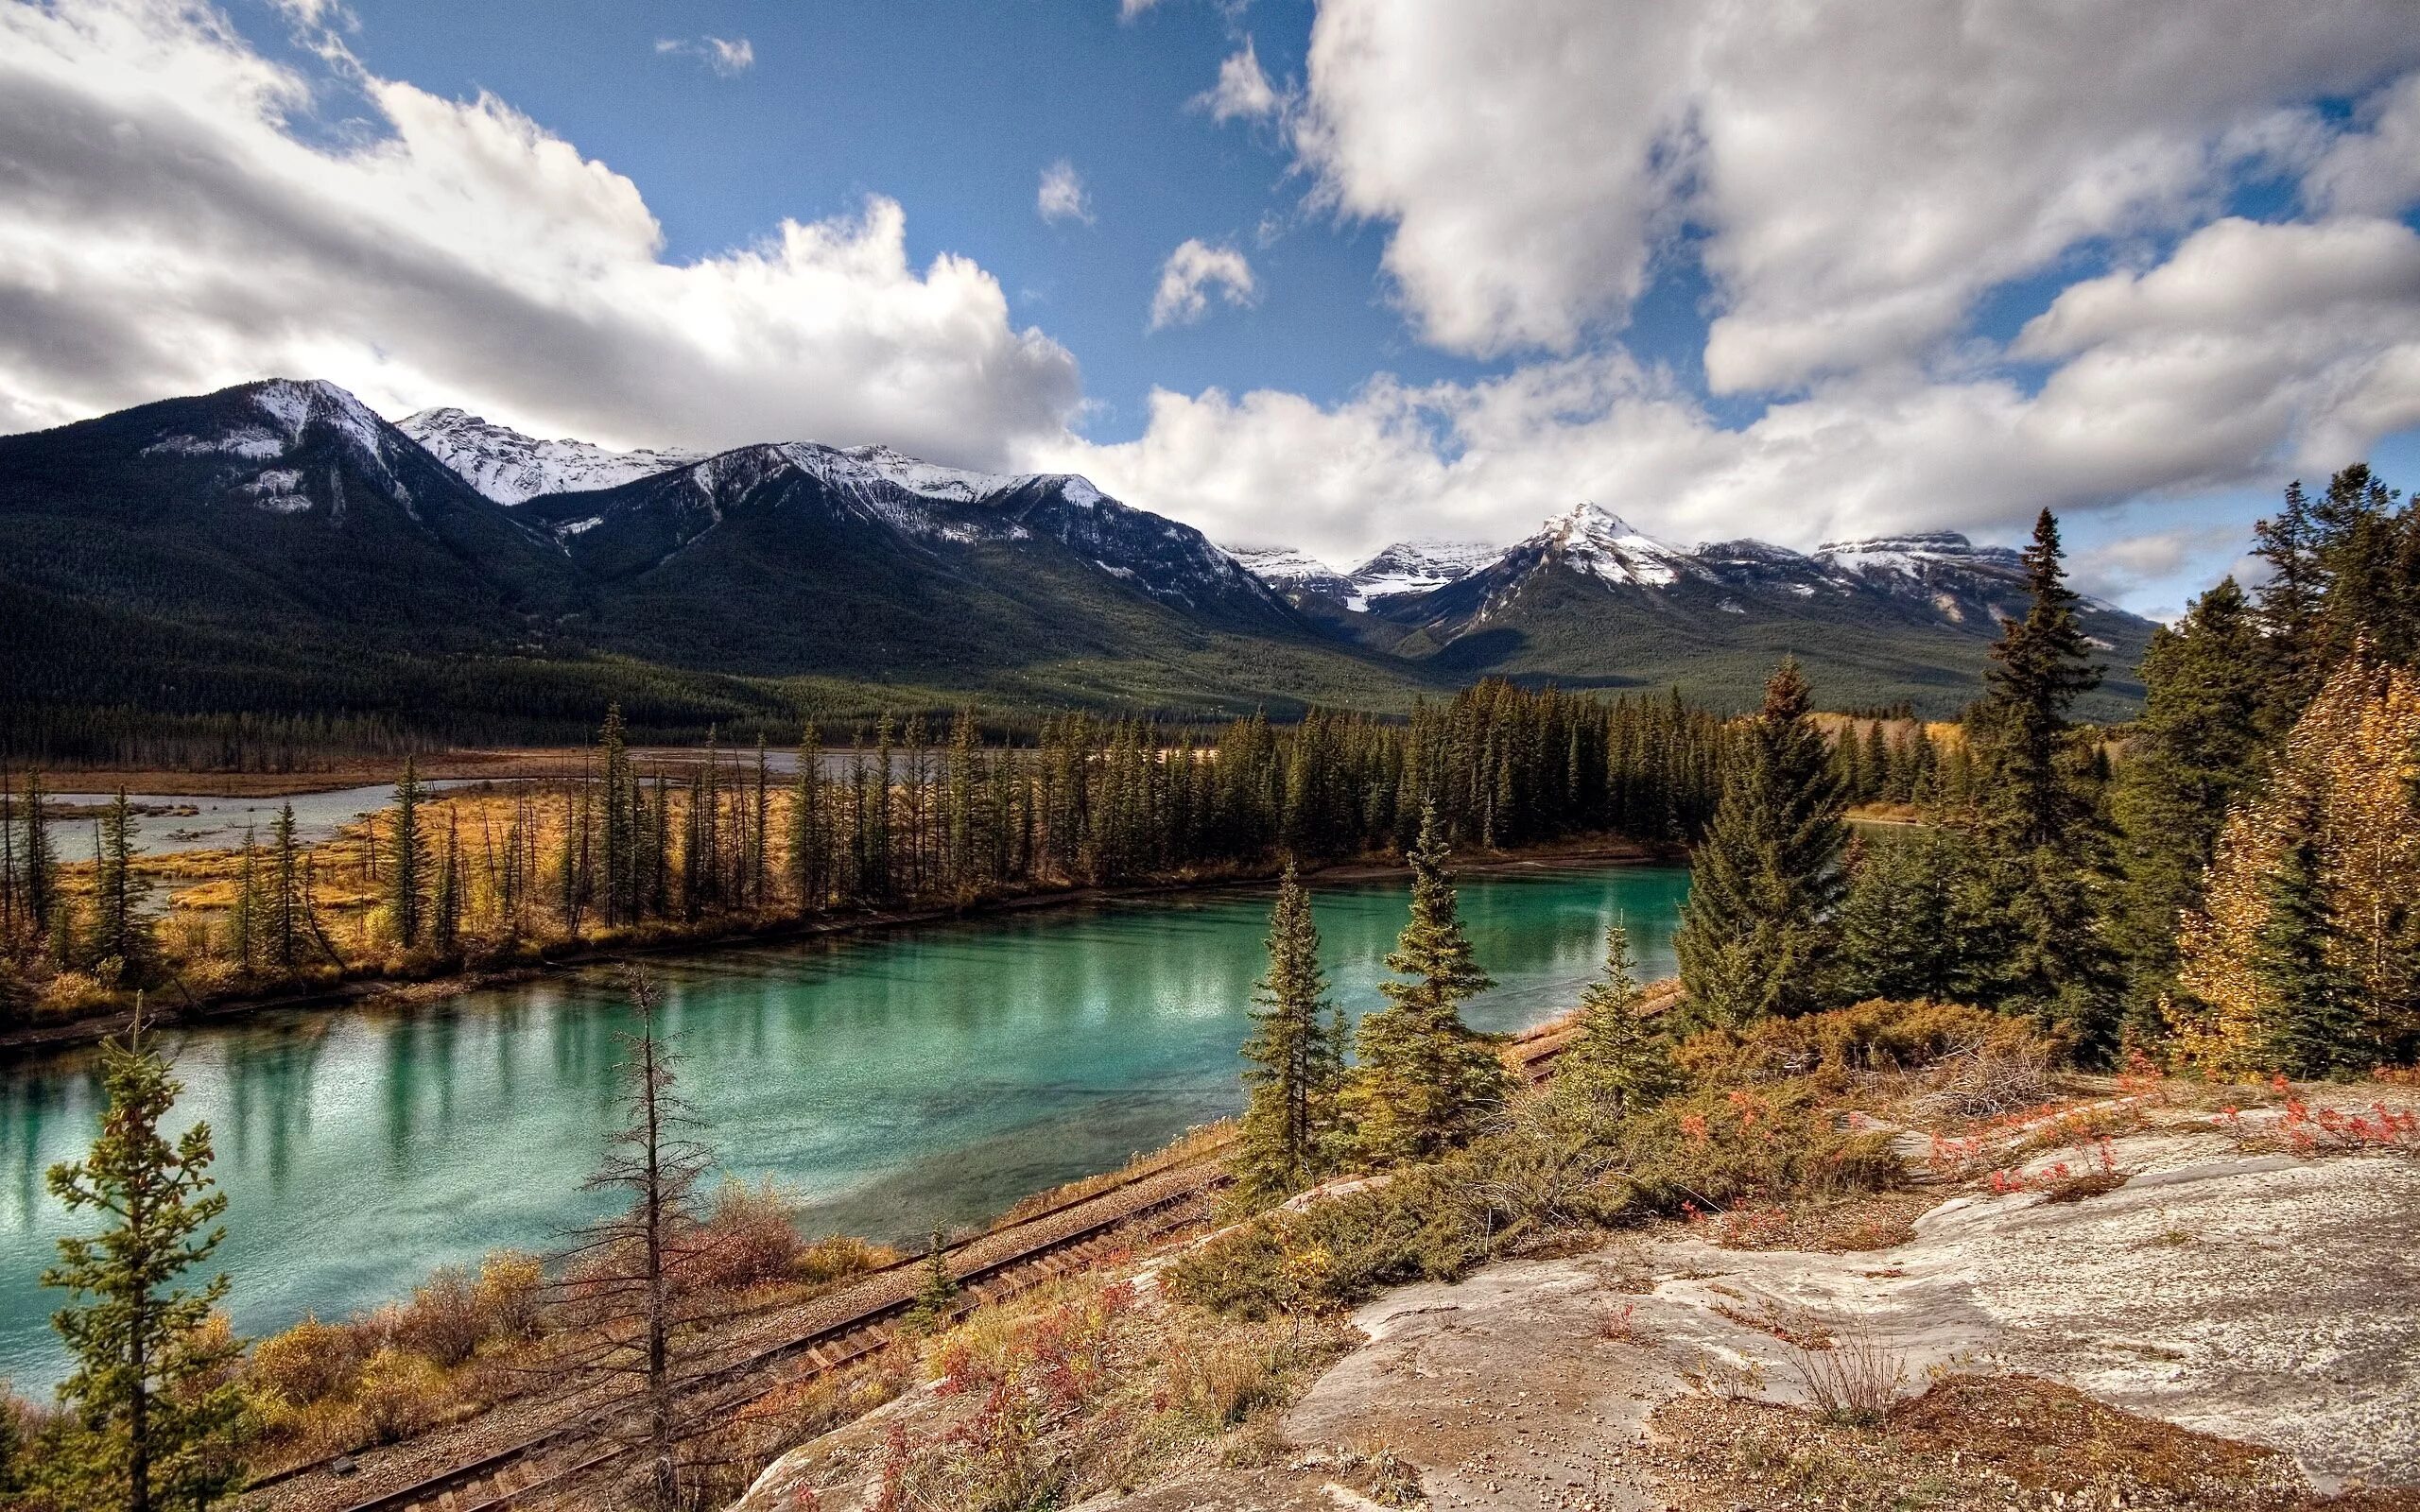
(400, 1394)
(310, 1362)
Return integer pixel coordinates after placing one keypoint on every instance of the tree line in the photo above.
(2232, 892)
(912, 814)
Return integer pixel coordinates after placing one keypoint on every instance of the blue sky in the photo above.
(1806, 275)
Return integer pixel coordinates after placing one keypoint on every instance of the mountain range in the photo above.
(278, 547)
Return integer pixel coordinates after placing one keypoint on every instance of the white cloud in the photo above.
(1129, 10)
(728, 58)
(2252, 352)
(1061, 195)
(2376, 171)
(1194, 272)
(162, 232)
(1243, 92)
(1859, 174)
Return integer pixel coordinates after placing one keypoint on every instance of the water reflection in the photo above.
(899, 1081)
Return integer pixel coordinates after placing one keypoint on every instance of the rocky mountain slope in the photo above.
(278, 547)
(1591, 599)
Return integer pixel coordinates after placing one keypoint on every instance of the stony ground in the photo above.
(2221, 1323)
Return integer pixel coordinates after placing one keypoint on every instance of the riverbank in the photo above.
(172, 1006)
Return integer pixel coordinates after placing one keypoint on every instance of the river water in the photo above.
(899, 1081)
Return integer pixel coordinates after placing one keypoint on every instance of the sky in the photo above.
(1325, 275)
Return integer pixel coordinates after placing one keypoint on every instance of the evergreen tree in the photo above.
(2197, 745)
(1757, 934)
(284, 911)
(939, 1296)
(2313, 1007)
(36, 864)
(1288, 1124)
(408, 886)
(445, 901)
(1617, 1065)
(1423, 1082)
(244, 922)
(2040, 823)
(1916, 922)
(120, 931)
(157, 1419)
(2040, 666)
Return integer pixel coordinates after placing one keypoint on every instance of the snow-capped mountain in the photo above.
(511, 468)
(1291, 572)
(1417, 567)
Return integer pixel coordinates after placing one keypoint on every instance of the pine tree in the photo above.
(2312, 1005)
(1423, 1082)
(157, 1421)
(36, 864)
(2042, 833)
(120, 931)
(1288, 1123)
(937, 1299)
(445, 901)
(1617, 1064)
(284, 912)
(1757, 935)
(245, 921)
(2197, 745)
(2040, 666)
(407, 888)
(1916, 922)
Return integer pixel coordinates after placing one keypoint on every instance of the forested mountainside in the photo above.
(278, 551)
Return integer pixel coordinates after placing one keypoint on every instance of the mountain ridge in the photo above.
(300, 551)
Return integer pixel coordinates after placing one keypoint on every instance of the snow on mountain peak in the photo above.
(510, 468)
(1416, 567)
(1607, 547)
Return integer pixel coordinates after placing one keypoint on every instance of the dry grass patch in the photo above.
(1971, 1441)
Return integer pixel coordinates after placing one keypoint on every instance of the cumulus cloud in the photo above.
(728, 58)
(1195, 272)
(162, 232)
(1061, 195)
(1243, 92)
(2253, 351)
(1858, 175)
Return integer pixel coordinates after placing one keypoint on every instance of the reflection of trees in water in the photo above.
(270, 1078)
(64, 1095)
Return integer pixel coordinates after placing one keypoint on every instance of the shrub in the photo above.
(746, 1240)
(1874, 1035)
(840, 1257)
(508, 1295)
(308, 1363)
(444, 1321)
(400, 1394)
(1711, 1149)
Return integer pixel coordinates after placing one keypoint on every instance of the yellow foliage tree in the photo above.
(2341, 805)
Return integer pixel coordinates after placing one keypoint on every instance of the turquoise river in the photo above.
(898, 1080)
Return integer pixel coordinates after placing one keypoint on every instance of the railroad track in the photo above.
(554, 1457)
(566, 1449)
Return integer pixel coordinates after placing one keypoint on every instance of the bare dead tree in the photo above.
(625, 1266)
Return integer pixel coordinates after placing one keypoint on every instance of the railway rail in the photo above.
(509, 1463)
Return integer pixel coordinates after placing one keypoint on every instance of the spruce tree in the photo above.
(1288, 1123)
(1423, 1081)
(157, 1418)
(1617, 1065)
(2197, 745)
(1917, 920)
(2313, 1007)
(2040, 666)
(120, 931)
(284, 912)
(36, 864)
(1757, 934)
(408, 886)
(445, 901)
(246, 924)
